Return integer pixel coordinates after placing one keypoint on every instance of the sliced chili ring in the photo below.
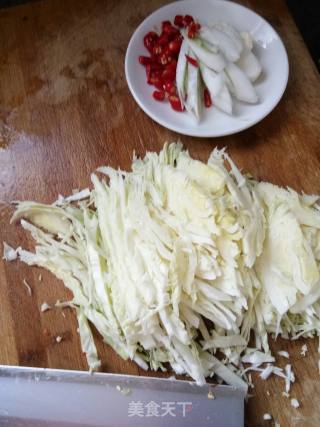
(159, 95)
(175, 103)
(192, 61)
(207, 98)
(145, 60)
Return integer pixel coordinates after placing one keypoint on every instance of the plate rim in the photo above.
(195, 133)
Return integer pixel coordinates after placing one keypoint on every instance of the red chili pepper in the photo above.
(174, 32)
(149, 40)
(175, 46)
(157, 49)
(145, 60)
(159, 95)
(163, 40)
(175, 103)
(207, 98)
(169, 72)
(193, 30)
(148, 72)
(192, 61)
(196, 26)
(165, 58)
(166, 26)
(157, 82)
(162, 64)
(169, 87)
(178, 21)
(155, 66)
(191, 34)
(169, 30)
(187, 19)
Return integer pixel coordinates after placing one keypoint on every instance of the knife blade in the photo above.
(51, 397)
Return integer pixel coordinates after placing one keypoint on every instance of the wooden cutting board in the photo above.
(65, 109)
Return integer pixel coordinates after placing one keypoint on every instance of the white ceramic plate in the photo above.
(268, 48)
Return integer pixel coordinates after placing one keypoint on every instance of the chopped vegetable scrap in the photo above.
(26, 284)
(9, 254)
(267, 417)
(283, 354)
(44, 307)
(295, 403)
(304, 350)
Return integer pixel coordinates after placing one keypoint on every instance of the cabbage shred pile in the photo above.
(178, 261)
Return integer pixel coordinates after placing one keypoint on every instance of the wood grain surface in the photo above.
(65, 109)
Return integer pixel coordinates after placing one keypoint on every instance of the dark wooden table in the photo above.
(65, 109)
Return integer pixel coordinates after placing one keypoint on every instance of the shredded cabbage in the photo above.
(178, 260)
